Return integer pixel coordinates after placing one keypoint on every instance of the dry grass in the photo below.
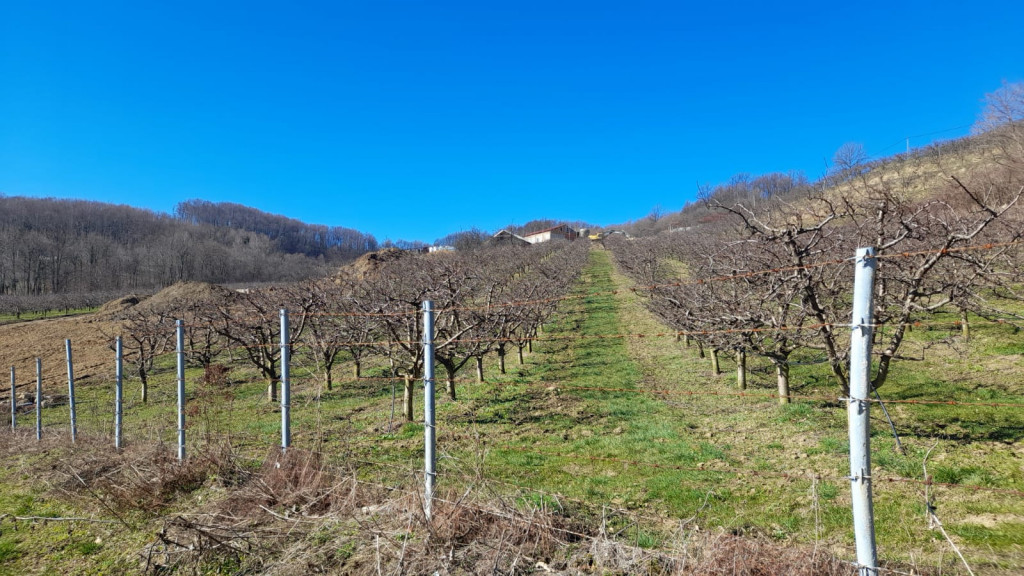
(291, 514)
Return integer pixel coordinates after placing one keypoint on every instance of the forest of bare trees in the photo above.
(62, 247)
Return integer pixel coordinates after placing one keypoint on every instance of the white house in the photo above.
(560, 231)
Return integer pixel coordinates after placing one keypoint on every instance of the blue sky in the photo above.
(413, 119)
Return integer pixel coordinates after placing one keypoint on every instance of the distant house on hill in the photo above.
(506, 238)
(560, 231)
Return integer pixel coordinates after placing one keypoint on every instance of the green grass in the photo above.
(972, 445)
(40, 314)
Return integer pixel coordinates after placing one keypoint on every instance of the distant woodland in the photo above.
(53, 247)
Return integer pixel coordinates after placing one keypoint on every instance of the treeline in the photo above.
(334, 243)
(51, 246)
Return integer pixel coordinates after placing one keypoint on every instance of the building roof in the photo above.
(508, 237)
(506, 233)
(550, 229)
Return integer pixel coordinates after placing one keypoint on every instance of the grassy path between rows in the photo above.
(659, 446)
(666, 458)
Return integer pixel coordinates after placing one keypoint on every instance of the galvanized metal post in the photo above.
(180, 333)
(118, 392)
(71, 391)
(39, 399)
(429, 430)
(286, 388)
(14, 402)
(858, 411)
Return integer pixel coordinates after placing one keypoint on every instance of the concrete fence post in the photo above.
(858, 411)
(286, 386)
(39, 399)
(118, 392)
(14, 401)
(180, 345)
(71, 391)
(429, 429)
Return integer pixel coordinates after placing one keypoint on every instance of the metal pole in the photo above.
(858, 411)
(14, 402)
(118, 392)
(39, 399)
(180, 333)
(71, 391)
(286, 388)
(429, 431)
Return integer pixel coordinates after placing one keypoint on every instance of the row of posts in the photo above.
(858, 404)
(119, 390)
(39, 396)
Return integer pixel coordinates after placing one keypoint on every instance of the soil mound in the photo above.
(369, 265)
(120, 305)
(186, 293)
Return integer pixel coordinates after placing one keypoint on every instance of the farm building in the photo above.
(506, 238)
(560, 231)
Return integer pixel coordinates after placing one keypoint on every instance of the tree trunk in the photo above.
(741, 369)
(782, 372)
(521, 361)
(407, 399)
(700, 348)
(965, 327)
(686, 340)
(450, 386)
(529, 346)
(144, 378)
(479, 369)
(501, 360)
(330, 380)
(357, 369)
(272, 390)
(716, 369)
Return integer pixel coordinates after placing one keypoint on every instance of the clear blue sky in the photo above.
(412, 119)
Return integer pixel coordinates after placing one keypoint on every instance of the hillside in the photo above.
(73, 247)
(919, 174)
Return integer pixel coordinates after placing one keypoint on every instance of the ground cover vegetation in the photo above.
(597, 453)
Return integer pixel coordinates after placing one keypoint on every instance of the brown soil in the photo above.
(120, 305)
(368, 265)
(91, 336)
(184, 293)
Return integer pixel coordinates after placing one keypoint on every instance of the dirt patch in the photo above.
(91, 336)
(993, 520)
(120, 305)
(187, 293)
(369, 265)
